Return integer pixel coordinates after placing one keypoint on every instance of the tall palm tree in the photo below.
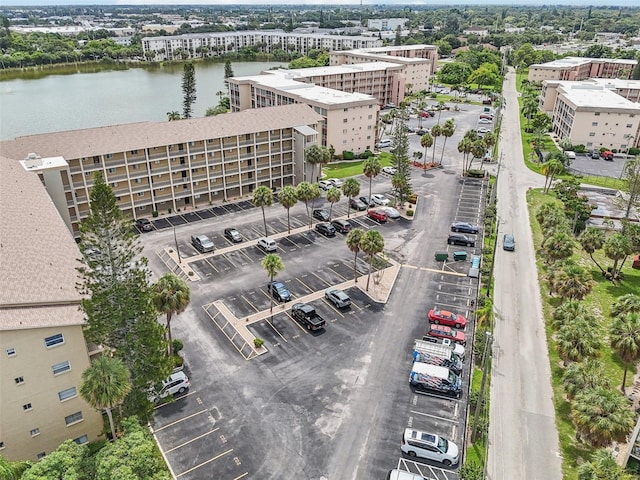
(333, 196)
(263, 197)
(592, 239)
(559, 247)
(617, 247)
(603, 467)
(625, 340)
(567, 311)
(371, 244)
(104, 385)
(602, 416)
(573, 282)
(464, 147)
(273, 264)
(426, 141)
(308, 192)
(313, 155)
(629, 303)
(585, 375)
(551, 169)
(436, 131)
(485, 314)
(171, 295)
(371, 168)
(447, 130)
(350, 189)
(354, 237)
(173, 115)
(577, 340)
(288, 198)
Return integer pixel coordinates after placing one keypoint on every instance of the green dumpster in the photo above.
(442, 256)
(460, 255)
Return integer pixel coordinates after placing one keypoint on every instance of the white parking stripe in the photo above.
(192, 440)
(181, 420)
(435, 416)
(204, 463)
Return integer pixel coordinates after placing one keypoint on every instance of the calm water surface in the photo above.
(83, 100)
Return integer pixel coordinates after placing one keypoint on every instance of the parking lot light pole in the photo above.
(175, 239)
(485, 362)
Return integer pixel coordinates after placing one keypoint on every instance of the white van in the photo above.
(400, 475)
(570, 155)
(428, 445)
(384, 143)
(267, 244)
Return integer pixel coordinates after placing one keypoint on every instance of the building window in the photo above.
(67, 394)
(41, 455)
(345, 120)
(109, 155)
(62, 367)
(111, 170)
(138, 180)
(592, 134)
(629, 125)
(597, 114)
(73, 418)
(26, 407)
(54, 340)
(344, 131)
(19, 380)
(1, 445)
(135, 167)
(11, 352)
(594, 124)
(346, 109)
(35, 432)
(140, 194)
(134, 152)
(96, 160)
(81, 440)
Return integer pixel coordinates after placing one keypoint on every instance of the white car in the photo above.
(391, 212)
(335, 182)
(380, 199)
(485, 121)
(483, 130)
(428, 445)
(325, 184)
(384, 143)
(178, 382)
(389, 170)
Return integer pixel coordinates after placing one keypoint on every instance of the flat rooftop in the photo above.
(265, 33)
(569, 62)
(617, 83)
(597, 97)
(334, 70)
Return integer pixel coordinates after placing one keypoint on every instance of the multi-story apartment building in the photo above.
(170, 166)
(628, 89)
(419, 61)
(581, 68)
(386, 24)
(349, 120)
(596, 117)
(195, 45)
(42, 348)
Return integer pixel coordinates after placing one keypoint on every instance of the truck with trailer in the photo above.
(439, 345)
(443, 359)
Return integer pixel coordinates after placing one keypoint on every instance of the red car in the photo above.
(440, 331)
(446, 317)
(377, 215)
(424, 114)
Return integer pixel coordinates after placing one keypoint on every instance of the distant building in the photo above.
(581, 68)
(479, 31)
(386, 24)
(42, 346)
(156, 27)
(124, 41)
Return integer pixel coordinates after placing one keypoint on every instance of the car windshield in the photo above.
(443, 445)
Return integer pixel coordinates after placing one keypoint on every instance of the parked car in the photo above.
(389, 170)
(357, 204)
(233, 235)
(431, 112)
(430, 446)
(487, 115)
(279, 291)
(409, 129)
(595, 154)
(337, 297)
(267, 244)
(508, 242)
(445, 317)
(377, 215)
(384, 143)
(202, 243)
(177, 382)
(390, 211)
(367, 202)
(422, 131)
(424, 114)
(342, 226)
(325, 184)
(457, 239)
(321, 214)
(144, 224)
(485, 121)
(464, 227)
(483, 130)
(326, 229)
(380, 199)
(335, 182)
(440, 331)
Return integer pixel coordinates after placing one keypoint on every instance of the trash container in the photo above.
(460, 255)
(442, 256)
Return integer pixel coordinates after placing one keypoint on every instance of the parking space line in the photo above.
(192, 440)
(211, 264)
(311, 290)
(343, 278)
(176, 398)
(276, 330)
(181, 420)
(204, 463)
(241, 476)
(332, 306)
(296, 323)
(321, 279)
(434, 416)
(250, 304)
(241, 250)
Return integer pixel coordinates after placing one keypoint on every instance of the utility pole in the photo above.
(485, 363)
(175, 239)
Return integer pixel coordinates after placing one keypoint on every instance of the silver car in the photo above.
(337, 297)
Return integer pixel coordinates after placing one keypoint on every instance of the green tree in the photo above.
(447, 131)
(631, 177)
(13, 470)
(592, 239)
(354, 238)
(350, 189)
(371, 168)
(586, 375)
(104, 386)
(572, 282)
(371, 244)
(577, 340)
(426, 141)
(173, 115)
(464, 147)
(263, 197)
(287, 198)
(617, 247)
(569, 310)
(314, 155)
(308, 192)
(625, 340)
(551, 169)
(228, 71)
(333, 196)
(188, 89)
(603, 467)
(400, 158)
(436, 131)
(602, 416)
(65, 462)
(629, 303)
(171, 296)
(272, 263)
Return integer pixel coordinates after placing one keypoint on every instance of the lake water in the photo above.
(82, 100)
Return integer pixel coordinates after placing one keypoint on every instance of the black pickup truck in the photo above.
(307, 316)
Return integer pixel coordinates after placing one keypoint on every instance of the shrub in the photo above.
(363, 156)
(475, 173)
(410, 213)
(412, 199)
(177, 345)
(369, 153)
(154, 214)
(347, 155)
(634, 151)
(177, 361)
(258, 342)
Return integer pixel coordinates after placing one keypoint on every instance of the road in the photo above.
(523, 440)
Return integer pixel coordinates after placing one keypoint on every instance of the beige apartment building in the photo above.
(196, 45)
(42, 348)
(171, 166)
(627, 89)
(349, 120)
(581, 68)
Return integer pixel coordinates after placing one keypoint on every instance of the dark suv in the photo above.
(458, 239)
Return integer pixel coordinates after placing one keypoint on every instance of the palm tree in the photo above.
(333, 196)
(171, 296)
(426, 141)
(617, 247)
(629, 303)
(273, 264)
(602, 415)
(551, 169)
(625, 340)
(371, 167)
(603, 467)
(371, 244)
(585, 375)
(173, 115)
(263, 197)
(307, 192)
(567, 311)
(464, 147)
(559, 247)
(105, 384)
(485, 313)
(350, 188)
(354, 237)
(572, 282)
(592, 239)
(436, 131)
(447, 130)
(288, 198)
(313, 155)
(577, 340)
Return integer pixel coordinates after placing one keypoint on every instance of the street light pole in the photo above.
(175, 239)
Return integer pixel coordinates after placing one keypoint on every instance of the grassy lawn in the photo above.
(353, 167)
(599, 301)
